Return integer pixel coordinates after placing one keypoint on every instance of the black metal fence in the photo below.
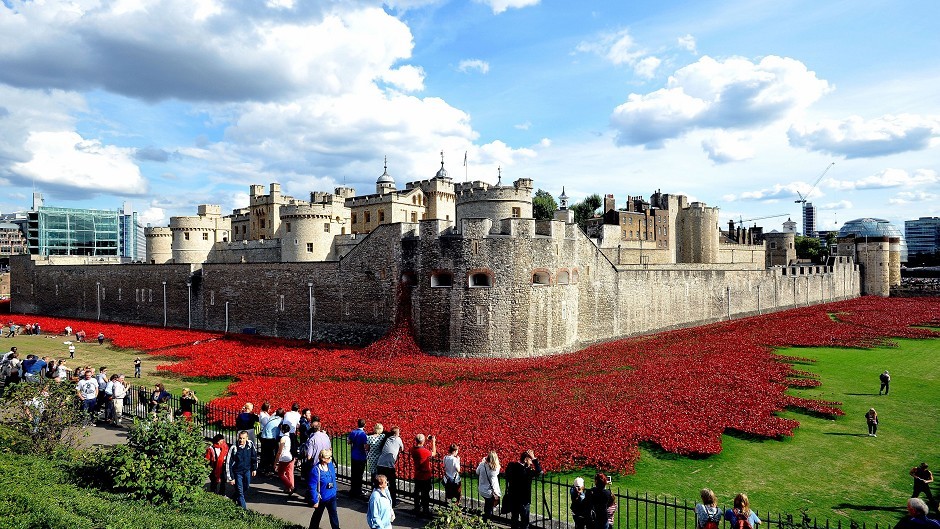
(550, 501)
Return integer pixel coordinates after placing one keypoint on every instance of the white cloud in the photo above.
(499, 6)
(545, 142)
(523, 126)
(775, 192)
(734, 93)
(218, 52)
(723, 147)
(907, 197)
(65, 159)
(841, 204)
(407, 78)
(855, 137)
(687, 42)
(620, 49)
(154, 216)
(473, 64)
(886, 178)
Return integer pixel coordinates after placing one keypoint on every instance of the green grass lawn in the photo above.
(117, 361)
(832, 468)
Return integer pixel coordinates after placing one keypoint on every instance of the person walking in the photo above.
(380, 514)
(136, 363)
(284, 461)
(922, 480)
(885, 382)
(872, 419)
(118, 392)
(392, 448)
(423, 474)
(241, 464)
(518, 500)
(87, 390)
(488, 471)
(323, 490)
(71, 350)
(359, 455)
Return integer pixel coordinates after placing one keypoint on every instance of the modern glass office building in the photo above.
(923, 235)
(72, 231)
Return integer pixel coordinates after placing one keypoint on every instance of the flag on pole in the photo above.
(465, 158)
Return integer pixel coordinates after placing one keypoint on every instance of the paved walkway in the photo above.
(266, 495)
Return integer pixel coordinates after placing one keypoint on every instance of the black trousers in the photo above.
(423, 495)
(522, 513)
(355, 481)
(389, 472)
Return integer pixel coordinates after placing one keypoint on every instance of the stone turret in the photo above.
(159, 244)
(193, 237)
(481, 200)
(698, 239)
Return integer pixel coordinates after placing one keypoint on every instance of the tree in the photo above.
(543, 205)
(585, 209)
(45, 413)
(162, 461)
(808, 248)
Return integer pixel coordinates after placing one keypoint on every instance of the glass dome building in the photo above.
(875, 228)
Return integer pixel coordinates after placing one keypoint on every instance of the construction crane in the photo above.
(803, 198)
(740, 221)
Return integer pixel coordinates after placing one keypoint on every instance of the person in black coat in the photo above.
(518, 496)
(602, 503)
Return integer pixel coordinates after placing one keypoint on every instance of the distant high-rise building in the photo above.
(789, 226)
(133, 243)
(923, 235)
(809, 220)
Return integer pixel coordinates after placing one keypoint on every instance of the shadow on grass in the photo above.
(863, 394)
(810, 413)
(745, 436)
(659, 453)
(900, 510)
(849, 434)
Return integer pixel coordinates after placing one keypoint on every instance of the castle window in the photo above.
(516, 213)
(442, 279)
(368, 217)
(773, 245)
(280, 305)
(414, 216)
(480, 280)
(353, 218)
(309, 247)
(326, 227)
(414, 200)
(261, 223)
(186, 235)
(212, 297)
(205, 236)
(562, 278)
(287, 226)
(381, 215)
(541, 277)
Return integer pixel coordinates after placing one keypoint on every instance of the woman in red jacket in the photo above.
(215, 455)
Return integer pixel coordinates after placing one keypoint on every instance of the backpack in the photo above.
(741, 520)
(6, 368)
(712, 520)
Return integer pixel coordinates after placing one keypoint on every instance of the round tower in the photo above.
(307, 232)
(159, 245)
(894, 261)
(193, 237)
(698, 233)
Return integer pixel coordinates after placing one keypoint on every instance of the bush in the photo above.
(162, 461)
(45, 415)
(453, 517)
(36, 493)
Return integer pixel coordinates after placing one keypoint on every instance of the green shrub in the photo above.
(36, 493)
(45, 413)
(162, 461)
(453, 517)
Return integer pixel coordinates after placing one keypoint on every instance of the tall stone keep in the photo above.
(698, 228)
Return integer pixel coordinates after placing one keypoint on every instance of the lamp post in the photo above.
(310, 290)
(226, 317)
(98, 287)
(164, 303)
(189, 304)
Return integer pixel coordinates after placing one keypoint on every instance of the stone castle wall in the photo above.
(4, 284)
(528, 289)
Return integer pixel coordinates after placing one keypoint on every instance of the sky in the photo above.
(743, 105)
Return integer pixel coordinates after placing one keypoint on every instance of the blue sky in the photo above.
(168, 104)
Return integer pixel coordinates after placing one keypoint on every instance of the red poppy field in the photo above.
(679, 390)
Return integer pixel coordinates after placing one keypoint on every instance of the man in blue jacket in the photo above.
(241, 464)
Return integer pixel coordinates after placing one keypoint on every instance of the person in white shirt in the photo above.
(118, 392)
(452, 485)
(488, 487)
